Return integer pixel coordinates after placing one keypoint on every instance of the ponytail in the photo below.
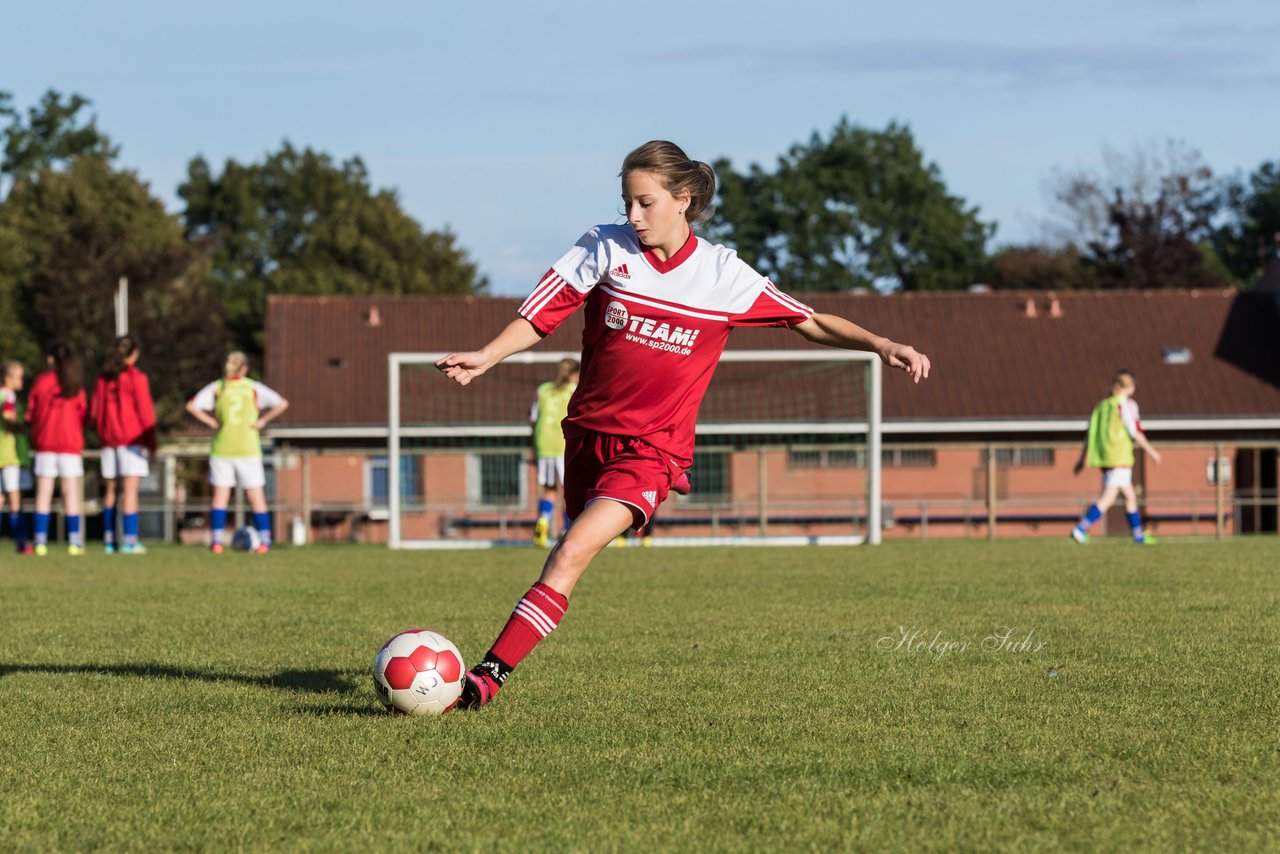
(564, 371)
(68, 367)
(117, 362)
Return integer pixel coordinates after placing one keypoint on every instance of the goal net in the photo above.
(788, 452)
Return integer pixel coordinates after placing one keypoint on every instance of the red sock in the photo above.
(535, 617)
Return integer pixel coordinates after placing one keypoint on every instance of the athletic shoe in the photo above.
(216, 548)
(26, 549)
(477, 689)
(1079, 536)
(133, 549)
(109, 548)
(681, 485)
(542, 532)
(41, 550)
(262, 549)
(75, 551)
(1147, 540)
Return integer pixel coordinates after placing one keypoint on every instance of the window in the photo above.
(856, 458)
(1021, 457)
(378, 479)
(496, 480)
(710, 477)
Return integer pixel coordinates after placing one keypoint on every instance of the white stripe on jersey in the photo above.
(789, 302)
(547, 283)
(538, 300)
(677, 309)
(534, 617)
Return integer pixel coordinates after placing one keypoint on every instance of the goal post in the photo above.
(794, 435)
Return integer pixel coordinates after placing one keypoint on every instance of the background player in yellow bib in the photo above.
(14, 454)
(237, 408)
(1114, 428)
(550, 406)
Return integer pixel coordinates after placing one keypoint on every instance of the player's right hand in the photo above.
(462, 368)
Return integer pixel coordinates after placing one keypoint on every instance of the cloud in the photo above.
(1023, 66)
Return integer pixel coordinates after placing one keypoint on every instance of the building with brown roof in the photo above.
(1019, 369)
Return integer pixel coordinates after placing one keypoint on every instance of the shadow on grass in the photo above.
(313, 681)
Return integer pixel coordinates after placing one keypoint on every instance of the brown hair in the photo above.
(10, 366)
(237, 363)
(1119, 377)
(673, 168)
(566, 369)
(69, 368)
(125, 346)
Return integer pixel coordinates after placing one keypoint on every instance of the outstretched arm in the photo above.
(1140, 439)
(462, 368)
(834, 331)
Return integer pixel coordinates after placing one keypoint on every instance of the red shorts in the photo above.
(625, 470)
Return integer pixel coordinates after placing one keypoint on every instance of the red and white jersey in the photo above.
(654, 329)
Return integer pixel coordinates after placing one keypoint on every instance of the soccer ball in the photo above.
(245, 539)
(418, 673)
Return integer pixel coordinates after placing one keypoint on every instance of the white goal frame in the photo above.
(872, 427)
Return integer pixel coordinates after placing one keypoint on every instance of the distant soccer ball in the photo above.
(418, 673)
(245, 539)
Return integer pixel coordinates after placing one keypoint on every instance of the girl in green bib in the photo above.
(237, 408)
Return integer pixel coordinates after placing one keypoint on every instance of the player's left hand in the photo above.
(906, 358)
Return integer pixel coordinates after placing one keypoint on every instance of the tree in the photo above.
(1037, 268)
(70, 227)
(53, 136)
(1143, 220)
(299, 223)
(859, 209)
(1252, 228)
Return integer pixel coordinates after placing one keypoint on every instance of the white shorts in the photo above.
(228, 471)
(14, 479)
(48, 464)
(550, 472)
(1117, 477)
(125, 461)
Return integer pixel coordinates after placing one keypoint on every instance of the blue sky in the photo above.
(507, 122)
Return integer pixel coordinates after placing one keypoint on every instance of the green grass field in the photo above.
(718, 698)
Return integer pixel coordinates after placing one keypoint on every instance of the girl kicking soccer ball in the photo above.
(629, 434)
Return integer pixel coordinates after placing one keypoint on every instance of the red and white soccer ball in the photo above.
(418, 673)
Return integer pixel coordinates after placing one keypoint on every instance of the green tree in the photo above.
(299, 223)
(860, 208)
(1143, 220)
(70, 227)
(1252, 227)
(53, 135)
(1034, 267)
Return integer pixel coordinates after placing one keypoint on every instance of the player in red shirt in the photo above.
(56, 411)
(124, 416)
(659, 304)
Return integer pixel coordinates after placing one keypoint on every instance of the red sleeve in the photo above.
(773, 308)
(146, 410)
(551, 303)
(97, 405)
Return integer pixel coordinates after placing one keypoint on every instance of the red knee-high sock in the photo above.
(536, 615)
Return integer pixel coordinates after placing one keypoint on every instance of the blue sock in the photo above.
(18, 529)
(1135, 525)
(131, 529)
(109, 525)
(73, 531)
(262, 521)
(42, 529)
(217, 523)
(1091, 516)
(545, 508)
